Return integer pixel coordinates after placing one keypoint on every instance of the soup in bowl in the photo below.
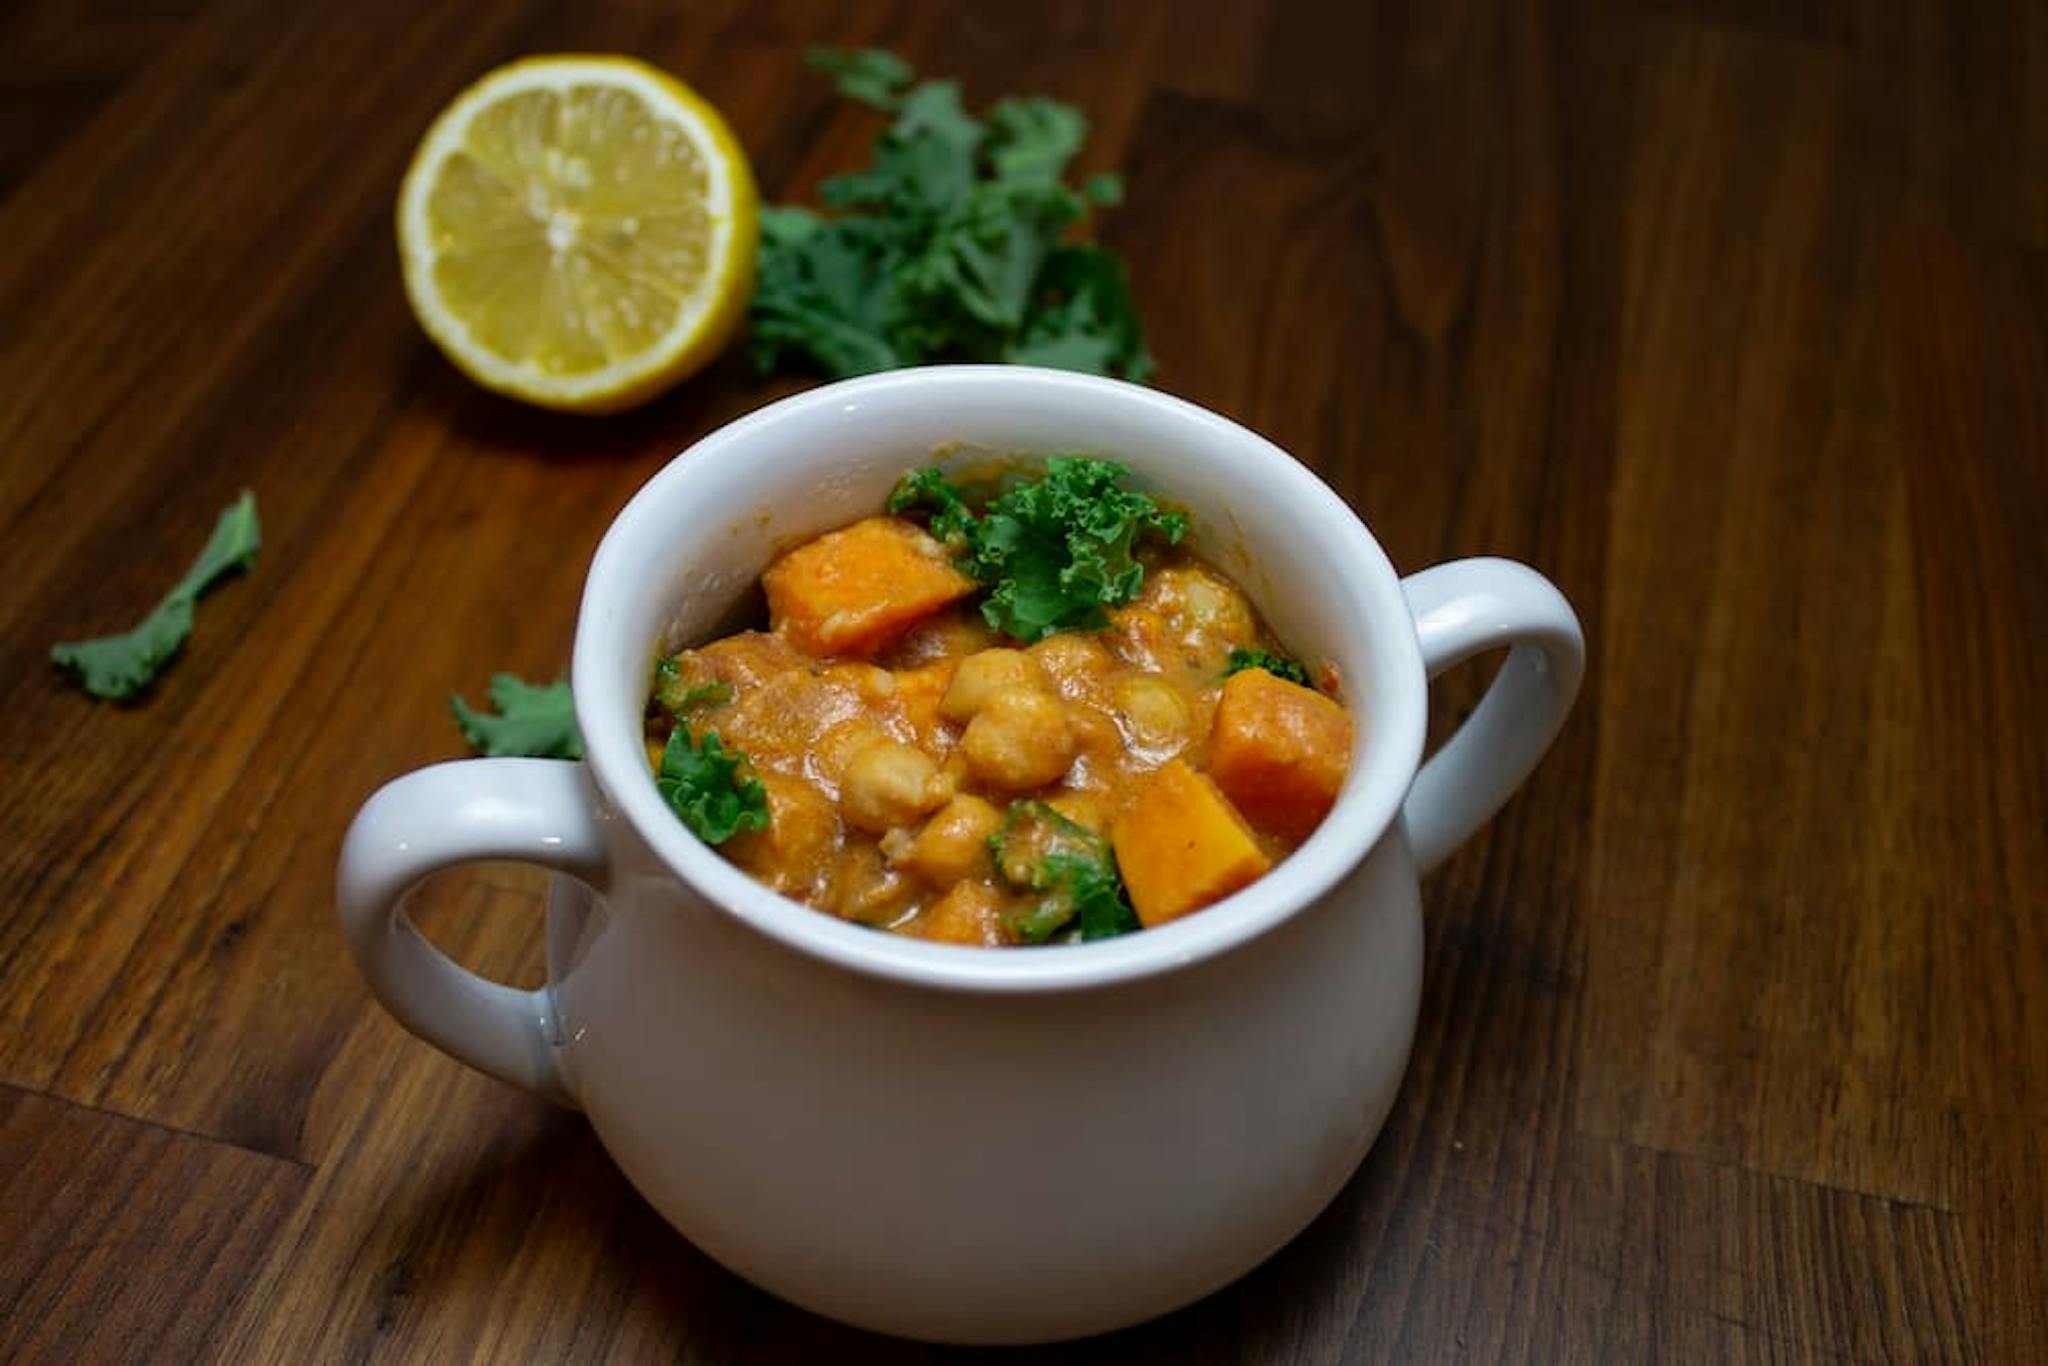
(1011, 710)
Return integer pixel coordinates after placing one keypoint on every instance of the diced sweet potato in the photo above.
(969, 914)
(1279, 751)
(1182, 845)
(856, 590)
(791, 854)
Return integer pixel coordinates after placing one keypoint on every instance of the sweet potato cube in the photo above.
(855, 590)
(969, 914)
(1181, 845)
(1279, 751)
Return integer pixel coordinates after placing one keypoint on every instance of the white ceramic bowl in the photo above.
(958, 1144)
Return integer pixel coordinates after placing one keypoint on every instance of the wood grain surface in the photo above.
(1729, 315)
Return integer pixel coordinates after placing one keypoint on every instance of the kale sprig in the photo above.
(121, 667)
(1279, 665)
(533, 719)
(1053, 551)
(1072, 869)
(950, 245)
(710, 787)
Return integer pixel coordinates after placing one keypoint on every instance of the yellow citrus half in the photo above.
(578, 232)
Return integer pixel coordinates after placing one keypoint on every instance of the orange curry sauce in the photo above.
(892, 739)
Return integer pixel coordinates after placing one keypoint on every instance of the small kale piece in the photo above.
(677, 694)
(871, 75)
(712, 694)
(1101, 910)
(820, 291)
(119, 667)
(929, 491)
(1054, 550)
(949, 245)
(1071, 867)
(1057, 550)
(537, 720)
(1278, 665)
(709, 787)
(1083, 318)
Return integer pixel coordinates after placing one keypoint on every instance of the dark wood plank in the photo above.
(1779, 974)
(123, 1241)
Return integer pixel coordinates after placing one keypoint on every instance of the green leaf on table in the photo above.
(536, 720)
(871, 75)
(820, 291)
(949, 245)
(1082, 318)
(1031, 139)
(120, 667)
(1106, 189)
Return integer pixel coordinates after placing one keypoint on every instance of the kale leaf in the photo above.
(678, 694)
(537, 720)
(1278, 665)
(948, 245)
(1071, 867)
(1057, 550)
(1086, 320)
(928, 490)
(870, 75)
(709, 787)
(1052, 551)
(119, 667)
(712, 694)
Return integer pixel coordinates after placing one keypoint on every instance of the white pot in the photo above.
(957, 1144)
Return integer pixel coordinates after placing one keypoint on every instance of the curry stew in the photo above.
(882, 752)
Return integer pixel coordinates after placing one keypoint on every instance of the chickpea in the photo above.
(865, 889)
(949, 635)
(888, 784)
(834, 750)
(1098, 745)
(1140, 636)
(1019, 740)
(1153, 711)
(1071, 656)
(953, 844)
(896, 845)
(1196, 602)
(982, 676)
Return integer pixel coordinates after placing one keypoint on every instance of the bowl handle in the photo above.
(533, 810)
(1461, 609)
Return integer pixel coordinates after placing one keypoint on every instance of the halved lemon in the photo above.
(578, 231)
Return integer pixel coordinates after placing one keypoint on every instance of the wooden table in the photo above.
(1728, 315)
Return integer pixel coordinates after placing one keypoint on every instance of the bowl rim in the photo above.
(1366, 810)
